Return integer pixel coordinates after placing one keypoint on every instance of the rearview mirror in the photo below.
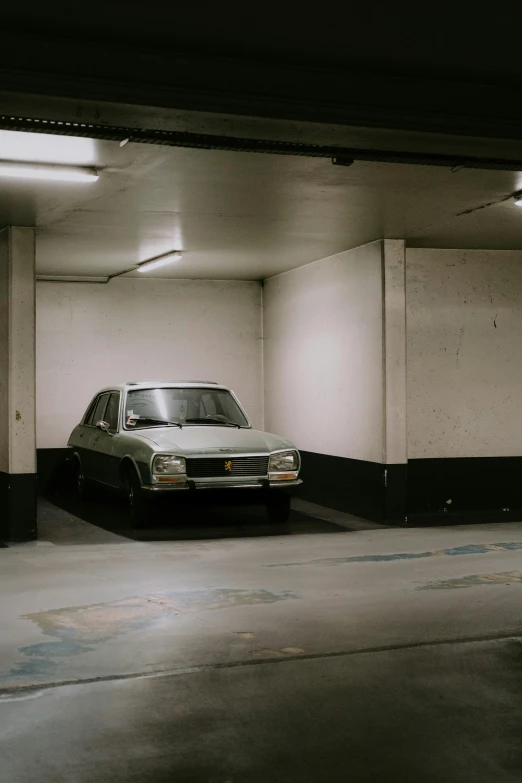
(102, 425)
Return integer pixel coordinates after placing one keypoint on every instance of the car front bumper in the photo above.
(192, 485)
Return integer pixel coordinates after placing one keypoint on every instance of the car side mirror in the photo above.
(102, 425)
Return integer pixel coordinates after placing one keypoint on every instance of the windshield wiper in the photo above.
(211, 420)
(160, 421)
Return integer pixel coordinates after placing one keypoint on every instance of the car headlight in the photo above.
(168, 465)
(285, 460)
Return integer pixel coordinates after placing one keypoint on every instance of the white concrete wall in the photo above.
(464, 349)
(323, 358)
(394, 343)
(90, 336)
(4, 349)
(17, 350)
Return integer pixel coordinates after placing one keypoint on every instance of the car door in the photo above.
(90, 436)
(104, 466)
(81, 441)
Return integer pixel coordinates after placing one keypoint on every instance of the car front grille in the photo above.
(224, 467)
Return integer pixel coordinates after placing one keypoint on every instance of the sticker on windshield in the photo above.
(132, 418)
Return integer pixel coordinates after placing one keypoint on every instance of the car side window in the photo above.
(111, 413)
(99, 410)
(90, 412)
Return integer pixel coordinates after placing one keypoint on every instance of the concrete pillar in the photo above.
(394, 372)
(17, 385)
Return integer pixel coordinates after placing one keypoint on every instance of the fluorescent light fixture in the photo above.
(155, 263)
(46, 172)
(518, 198)
(47, 148)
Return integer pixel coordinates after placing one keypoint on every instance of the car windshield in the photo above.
(163, 407)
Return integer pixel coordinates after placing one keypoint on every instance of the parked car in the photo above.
(148, 439)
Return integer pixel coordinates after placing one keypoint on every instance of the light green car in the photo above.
(154, 438)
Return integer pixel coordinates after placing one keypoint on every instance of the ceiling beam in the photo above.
(137, 75)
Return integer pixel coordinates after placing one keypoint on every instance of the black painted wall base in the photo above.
(464, 488)
(425, 491)
(417, 493)
(349, 485)
(18, 507)
(51, 467)
(395, 497)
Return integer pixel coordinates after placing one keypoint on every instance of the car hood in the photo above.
(208, 440)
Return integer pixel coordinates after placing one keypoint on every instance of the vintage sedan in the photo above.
(149, 439)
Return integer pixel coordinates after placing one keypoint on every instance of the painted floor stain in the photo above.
(75, 630)
(279, 653)
(468, 549)
(473, 580)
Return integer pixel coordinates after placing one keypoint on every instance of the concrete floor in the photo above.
(225, 650)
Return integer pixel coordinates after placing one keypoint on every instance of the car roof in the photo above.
(134, 385)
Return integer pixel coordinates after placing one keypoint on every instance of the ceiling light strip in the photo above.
(159, 261)
(46, 171)
(341, 156)
(143, 266)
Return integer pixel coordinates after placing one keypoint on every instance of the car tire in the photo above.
(80, 483)
(278, 507)
(136, 503)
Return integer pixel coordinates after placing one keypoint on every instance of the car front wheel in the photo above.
(79, 480)
(278, 507)
(136, 503)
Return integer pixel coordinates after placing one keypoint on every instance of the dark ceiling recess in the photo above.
(340, 156)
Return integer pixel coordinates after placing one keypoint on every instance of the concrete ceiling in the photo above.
(241, 215)
(401, 37)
